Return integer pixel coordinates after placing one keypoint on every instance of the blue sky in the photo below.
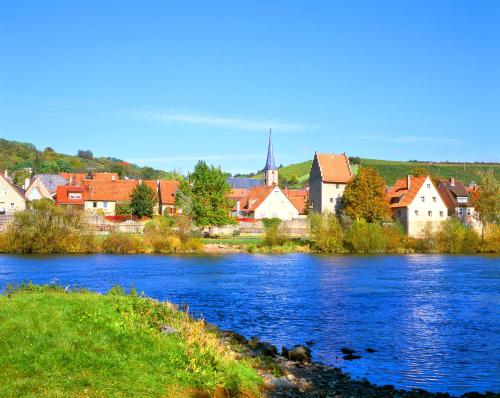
(165, 83)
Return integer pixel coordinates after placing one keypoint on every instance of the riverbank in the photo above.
(55, 342)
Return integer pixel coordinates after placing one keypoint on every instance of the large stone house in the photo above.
(329, 176)
(12, 197)
(417, 205)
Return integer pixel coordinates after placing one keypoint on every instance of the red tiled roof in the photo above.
(400, 190)
(256, 196)
(238, 193)
(113, 191)
(335, 168)
(62, 195)
(167, 191)
(300, 203)
(74, 178)
(105, 176)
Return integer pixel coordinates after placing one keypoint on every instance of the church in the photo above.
(256, 199)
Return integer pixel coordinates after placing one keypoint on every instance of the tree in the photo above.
(142, 201)
(326, 232)
(365, 197)
(205, 195)
(275, 232)
(487, 202)
(85, 154)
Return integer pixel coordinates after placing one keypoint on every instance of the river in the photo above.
(433, 320)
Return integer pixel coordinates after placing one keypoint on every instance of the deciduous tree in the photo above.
(142, 201)
(487, 202)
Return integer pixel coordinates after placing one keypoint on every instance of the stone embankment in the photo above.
(291, 374)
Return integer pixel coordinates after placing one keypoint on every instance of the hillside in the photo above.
(392, 170)
(19, 157)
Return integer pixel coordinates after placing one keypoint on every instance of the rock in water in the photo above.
(350, 357)
(370, 350)
(265, 349)
(347, 351)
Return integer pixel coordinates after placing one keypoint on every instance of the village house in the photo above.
(266, 202)
(417, 205)
(43, 186)
(329, 176)
(12, 197)
(167, 190)
(457, 200)
(70, 195)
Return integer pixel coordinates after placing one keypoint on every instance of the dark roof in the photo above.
(51, 181)
(245, 183)
(270, 155)
(450, 192)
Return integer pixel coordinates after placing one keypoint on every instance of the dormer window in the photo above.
(434, 199)
(428, 186)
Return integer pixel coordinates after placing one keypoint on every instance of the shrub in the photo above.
(365, 237)
(427, 242)
(326, 233)
(193, 245)
(395, 238)
(121, 243)
(454, 237)
(491, 241)
(46, 228)
(275, 232)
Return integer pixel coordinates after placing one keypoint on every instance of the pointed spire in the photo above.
(270, 156)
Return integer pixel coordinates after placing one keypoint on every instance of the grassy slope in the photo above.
(392, 170)
(56, 344)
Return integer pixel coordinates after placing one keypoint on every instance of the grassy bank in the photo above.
(80, 344)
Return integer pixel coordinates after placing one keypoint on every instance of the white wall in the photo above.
(331, 197)
(276, 205)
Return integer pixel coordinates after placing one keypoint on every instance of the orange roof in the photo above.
(300, 203)
(256, 196)
(335, 168)
(238, 193)
(167, 191)
(295, 193)
(112, 191)
(153, 185)
(74, 178)
(400, 190)
(105, 176)
(62, 195)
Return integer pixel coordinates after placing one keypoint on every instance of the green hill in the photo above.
(19, 157)
(392, 170)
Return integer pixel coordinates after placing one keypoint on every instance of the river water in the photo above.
(433, 320)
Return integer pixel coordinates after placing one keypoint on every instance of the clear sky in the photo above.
(165, 83)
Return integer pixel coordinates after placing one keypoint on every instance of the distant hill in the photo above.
(392, 170)
(18, 157)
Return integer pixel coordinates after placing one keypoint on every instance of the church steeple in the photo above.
(270, 171)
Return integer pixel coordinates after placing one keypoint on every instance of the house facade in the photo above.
(457, 200)
(417, 205)
(12, 197)
(266, 202)
(166, 196)
(44, 186)
(70, 195)
(329, 176)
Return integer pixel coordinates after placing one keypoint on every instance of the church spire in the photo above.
(270, 155)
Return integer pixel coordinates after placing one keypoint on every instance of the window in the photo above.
(12, 205)
(461, 210)
(422, 198)
(331, 200)
(429, 213)
(75, 195)
(428, 186)
(399, 212)
(105, 204)
(416, 212)
(441, 214)
(462, 199)
(468, 211)
(4, 192)
(434, 199)
(337, 186)
(94, 205)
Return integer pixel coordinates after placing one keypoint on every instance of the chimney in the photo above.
(26, 183)
(452, 181)
(408, 182)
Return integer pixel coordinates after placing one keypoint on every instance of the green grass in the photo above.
(392, 170)
(234, 240)
(81, 344)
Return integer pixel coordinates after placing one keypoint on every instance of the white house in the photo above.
(267, 202)
(416, 203)
(12, 197)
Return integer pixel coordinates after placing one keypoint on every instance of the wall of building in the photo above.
(276, 205)
(10, 200)
(331, 197)
(37, 191)
(107, 208)
(417, 223)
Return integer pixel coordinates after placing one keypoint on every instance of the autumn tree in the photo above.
(204, 197)
(142, 201)
(487, 202)
(365, 197)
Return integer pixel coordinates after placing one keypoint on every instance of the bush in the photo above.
(427, 242)
(365, 237)
(121, 243)
(45, 228)
(193, 245)
(395, 238)
(326, 233)
(491, 241)
(454, 237)
(275, 232)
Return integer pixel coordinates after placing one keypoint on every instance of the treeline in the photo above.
(45, 229)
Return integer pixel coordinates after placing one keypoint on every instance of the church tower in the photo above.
(270, 171)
